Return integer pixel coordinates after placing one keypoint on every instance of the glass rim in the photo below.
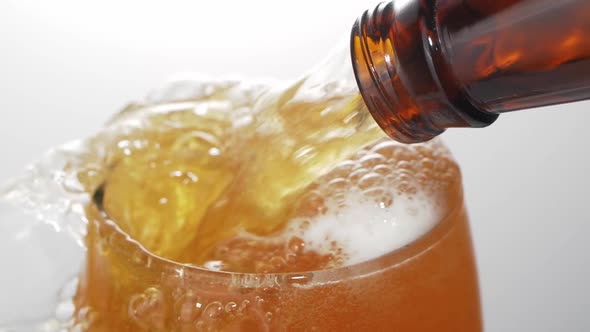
(388, 260)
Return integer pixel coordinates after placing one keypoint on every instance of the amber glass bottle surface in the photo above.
(424, 66)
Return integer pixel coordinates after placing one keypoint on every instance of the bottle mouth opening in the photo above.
(375, 67)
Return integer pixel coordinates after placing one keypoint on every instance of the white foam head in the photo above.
(364, 229)
(384, 198)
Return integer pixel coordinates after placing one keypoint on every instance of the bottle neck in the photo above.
(424, 66)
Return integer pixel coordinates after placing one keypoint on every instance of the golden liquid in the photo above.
(178, 189)
(183, 179)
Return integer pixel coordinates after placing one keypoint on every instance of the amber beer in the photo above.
(427, 284)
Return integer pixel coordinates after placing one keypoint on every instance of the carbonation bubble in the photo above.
(231, 307)
(213, 310)
(148, 308)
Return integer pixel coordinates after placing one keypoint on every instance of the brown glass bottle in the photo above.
(426, 65)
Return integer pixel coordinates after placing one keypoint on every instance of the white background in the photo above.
(65, 66)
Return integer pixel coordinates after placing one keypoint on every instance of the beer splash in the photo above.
(167, 144)
(233, 165)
